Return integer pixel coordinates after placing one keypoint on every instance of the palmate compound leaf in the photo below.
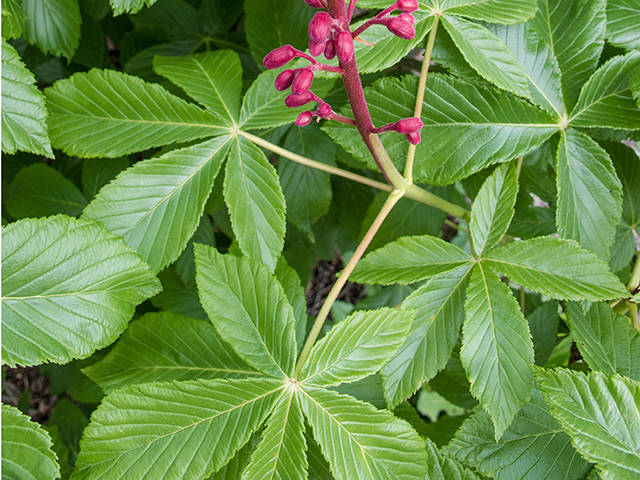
(111, 114)
(496, 352)
(68, 288)
(249, 309)
(356, 347)
(623, 24)
(439, 306)
(410, 259)
(601, 414)
(605, 339)
(495, 11)
(156, 205)
(26, 448)
(533, 447)
(558, 268)
(161, 347)
(493, 208)
(361, 442)
(173, 430)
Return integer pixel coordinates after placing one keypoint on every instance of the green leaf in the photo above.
(214, 79)
(26, 448)
(634, 85)
(129, 6)
(249, 309)
(606, 100)
(600, 414)
(627, 165)
(574, 29)
(282, 452)
(543, 323)
(488, 55)
(360, 441)
(233, 469)
(12, 19)
(623, 248)
(173, 430)
(96, 173)
(558, 268)
(533, 447)
(409, 260)
(623, 24)
(605, 339)
(24, 113)
(493, 208)
(589, 193)
(156, 205)
(68, 288)
(494, 11)
(256, 203)
(496, 348)
(53, 26)
(356, 347)
(291, 283)
(161, 347)
(110, 114)
(433, 334)
(40, 190)
(443, 467)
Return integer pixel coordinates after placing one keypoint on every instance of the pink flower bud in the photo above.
(414, 138)
(284, 80)
(330, 49)
(409, 125)
(279, 57)
(319, 27)
(344, 47)
(324, 110)
(304, 119)
(293, 101)
(302, 82)
(407, 17)
(314, 3)
(315, 48)
(407, 5)
(401, 28)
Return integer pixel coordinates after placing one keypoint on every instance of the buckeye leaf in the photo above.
(601, 415)
(408, 260)
(533, 447)
(282, 452)
(496, 352)
(606, 99)
(162, 347)
(54, 25)
(129, 6)
(361, 442)
(623, 24)
(24, 113)
(256, 203)
(493, 208)
(68, 288)
(173, 430)
(26, 448)
(589, 193)
(439, 306)
(249, 309)
(634, 85)
(605, 339)
(356, 347)
(110, 114)
(558, 268)
(443, 467)
(494, 11)
(214, 79)
(156, 205)
(12, 19)
(291, 283)
(627, 165)
(488, 55)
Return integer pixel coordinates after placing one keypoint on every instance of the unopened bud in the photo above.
(304, 119)
(294, 101)
(330, 49)
(279, 57)
(302, 82)
(344, 47)
(401, 28)
(284, 80)
(414, 138)
(319, 27)
(315, 48)
(407, 17)
(324, 110)
(409, 125)
(407, 5)
(314, 3)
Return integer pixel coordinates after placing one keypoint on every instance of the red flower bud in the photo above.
(401, 28)
(315, 48)
(302, 82)
(319, 27)
(284, 80)
(407, 5)
(409, 125)
(414, 138)
(344, 47)
(279, 57)
(293, 101)
(304, 119)
(407, 17)
(324, 110)
(314, 3)
(330, 49)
